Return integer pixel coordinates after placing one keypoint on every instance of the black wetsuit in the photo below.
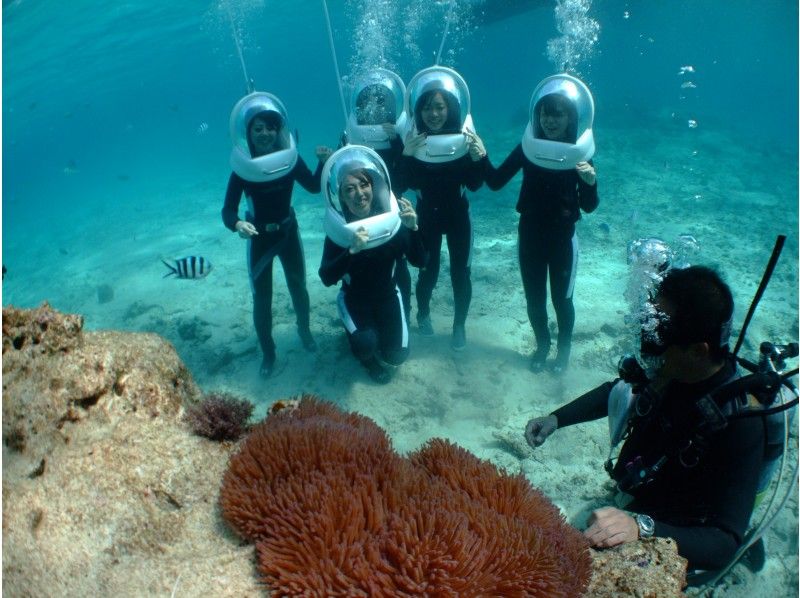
(369, 303)
(443, 210)
(269, 207)
(550, 203)
(391, 157)
(705, 508)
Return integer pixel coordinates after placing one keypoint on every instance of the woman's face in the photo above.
(356, 193)
(434, 113)
(263, 136)
(554, 123)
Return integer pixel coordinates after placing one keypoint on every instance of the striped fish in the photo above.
(191, 267)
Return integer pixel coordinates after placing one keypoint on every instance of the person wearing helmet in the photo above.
(551, 200)
(270, 225)
(369, 302)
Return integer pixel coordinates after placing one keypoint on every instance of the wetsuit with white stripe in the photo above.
(550, 203)
(369, 302)
(269, 210)
(443, 211)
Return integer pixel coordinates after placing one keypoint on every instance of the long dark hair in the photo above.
(271, 118)
(453, 122)
(363, 175)
(554, 103)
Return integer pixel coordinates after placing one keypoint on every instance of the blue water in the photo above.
(115, 152)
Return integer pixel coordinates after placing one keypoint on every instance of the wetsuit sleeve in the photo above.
(587, 195)
(476, 172)
(496, 178)
(230, 209)
(587, 407)
(407, 175)
(311, 182)
(734, 466)
(415, 250)
(335, 262)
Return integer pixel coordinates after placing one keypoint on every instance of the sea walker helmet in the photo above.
(573, 94)
(270, 166)
(377, 98)
(451, 143)
(384, 221)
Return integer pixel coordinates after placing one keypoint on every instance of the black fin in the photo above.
(172, 270)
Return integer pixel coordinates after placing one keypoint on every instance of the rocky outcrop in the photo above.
(107, 493)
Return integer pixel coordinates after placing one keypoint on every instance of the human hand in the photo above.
(246, 229)
(360, 239)
(476, 148)
(390, 130)
(609, 526)
(539, 428)
(586, 172)
(323, 152)
(407, 214)
(413, 143)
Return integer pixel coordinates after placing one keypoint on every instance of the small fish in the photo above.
(202, 128)
(688, 85)
(686, 69)
(692, 123)
(190, 267)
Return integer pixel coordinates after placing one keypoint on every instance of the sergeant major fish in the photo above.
(190, 267)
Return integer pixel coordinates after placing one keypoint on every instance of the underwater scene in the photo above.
(117, 153)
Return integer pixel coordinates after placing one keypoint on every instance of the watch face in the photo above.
(646, 525)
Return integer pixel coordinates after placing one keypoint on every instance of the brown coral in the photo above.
(334, 510)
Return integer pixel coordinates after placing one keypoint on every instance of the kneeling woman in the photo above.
(367, 230)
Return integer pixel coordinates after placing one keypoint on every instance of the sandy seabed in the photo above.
(482, 397)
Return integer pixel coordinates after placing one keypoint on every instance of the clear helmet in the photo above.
(377, 98)
(559, 132)
(358, 194)
(443, 87)
(260, 160)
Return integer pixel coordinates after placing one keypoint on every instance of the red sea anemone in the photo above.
(334, 510)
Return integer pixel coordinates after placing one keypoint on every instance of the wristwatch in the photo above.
(646, 526)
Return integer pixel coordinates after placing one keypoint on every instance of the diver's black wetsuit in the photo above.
(705, 508)
(550, 203)
(369, 302)
(269, 204)
(443, 209)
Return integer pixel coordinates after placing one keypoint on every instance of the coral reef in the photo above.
(220, 416)
(332, 508)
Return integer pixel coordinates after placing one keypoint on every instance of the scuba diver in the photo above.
(367, 231)
(442, 156)
(558, 182)
(265, 166)
(698, 437)
(375, 117)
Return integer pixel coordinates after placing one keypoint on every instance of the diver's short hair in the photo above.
(553, 103)
(703, 309)
(453, 122)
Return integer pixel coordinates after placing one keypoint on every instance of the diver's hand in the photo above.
(413, 143)
(586, 172)
(245, 229)
(390, 130)
(359, 240)
(609, 526)
(539, 428)
(476, 148)
(407, 214)
(323, 152)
